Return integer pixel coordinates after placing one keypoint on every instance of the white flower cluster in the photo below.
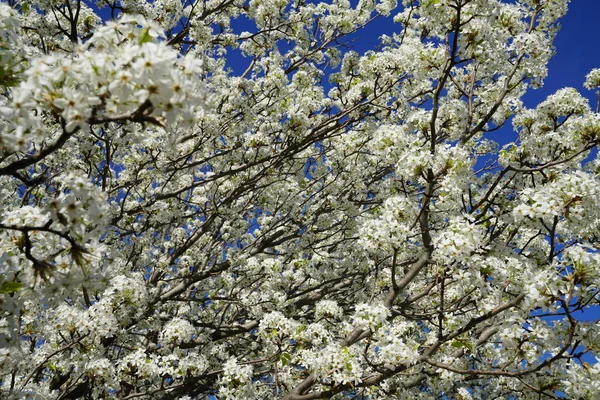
(537, 287)
(148, 70)
(11, 46)
(385, 7)
(264, 12)
(67, 319)
(128, 294)
(392, 227)
(138, 364)
(562, 122)
(30, 216)
(582, 380)
(564, 102)
(328, 308)
(582, 263)
(333, 364)
(592, 79)
(457, 241)
(102, 368)
(100, 321)
(412, 158)
(317, 334)
(168, 12)
(275, 324)
(572, 196)
(178, 365)
(104, 318)
(64, 231)
(176, 331)
(589, 334)
(241, 248)
(395, 347)
(123, 72)
(370, 317)
(81, 207)
(236, 381)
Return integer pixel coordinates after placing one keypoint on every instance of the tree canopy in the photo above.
(221, 199)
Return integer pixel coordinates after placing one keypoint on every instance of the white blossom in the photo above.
(226, 199)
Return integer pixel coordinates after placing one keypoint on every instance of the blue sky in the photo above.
(577, 53)
(577, 49)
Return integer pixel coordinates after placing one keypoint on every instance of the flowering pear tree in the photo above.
(221, 199)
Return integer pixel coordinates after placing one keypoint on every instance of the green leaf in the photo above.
(387, 142)
(285, 358)
(145, 36)
(460, 344)
(10, 287)
(432, 3)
